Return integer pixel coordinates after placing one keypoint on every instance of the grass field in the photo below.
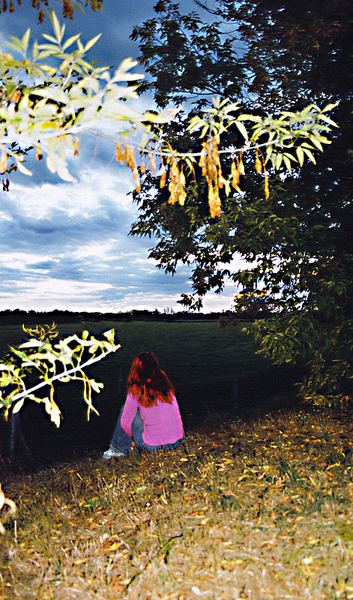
(249, 508)
(213, 370)
(257, 504)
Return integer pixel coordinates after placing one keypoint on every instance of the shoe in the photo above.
(110, 453)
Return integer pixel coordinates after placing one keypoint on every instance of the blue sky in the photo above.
(66, 245)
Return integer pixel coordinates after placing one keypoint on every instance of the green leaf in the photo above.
(70, 41)
(310, 155)
(59, 32)
(327, 120)
(50, 38)
(91, 42)
(33, 343)
(316, 143)
(242, 129)
(53, 93)
(331, 106)
(247, 117)
(300, 155)
(279, 159)
(18, 406)
(25, 40)
(121, 73)
(288, 163)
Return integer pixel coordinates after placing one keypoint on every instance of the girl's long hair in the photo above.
(147, 382)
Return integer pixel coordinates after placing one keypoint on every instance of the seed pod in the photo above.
(235, 174)
(130, 157)
(267, 187)
(152, 161)
(214, 201)
(39, 153)
(163, 177)
(68, 11)
(137, 180)
(76, 144)
(241, 164)
(119, 154)
(177, 183)
(3, 162)
(16, 96)
(258, 163)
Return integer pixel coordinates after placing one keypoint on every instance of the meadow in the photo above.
(214, 369)
(257, 503)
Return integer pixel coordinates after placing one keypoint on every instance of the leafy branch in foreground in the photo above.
(48, 361)
(52, 93)
(63, 361)
(275, 142)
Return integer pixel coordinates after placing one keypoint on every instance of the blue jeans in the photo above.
(121, 441)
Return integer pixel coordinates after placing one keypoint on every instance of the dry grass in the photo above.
(247, 509)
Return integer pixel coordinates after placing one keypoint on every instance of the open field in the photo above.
(248, 508)
(255, 505)
(213, 369)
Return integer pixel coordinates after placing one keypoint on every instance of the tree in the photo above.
(267, 54)
(52, 92)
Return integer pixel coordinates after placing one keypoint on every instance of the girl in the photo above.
(150, 415)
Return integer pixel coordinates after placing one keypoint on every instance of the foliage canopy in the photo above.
(298, 246)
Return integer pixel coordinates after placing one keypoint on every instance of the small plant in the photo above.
(51, 360)
(64, 361)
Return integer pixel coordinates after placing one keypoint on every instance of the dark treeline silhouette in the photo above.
(18, 316)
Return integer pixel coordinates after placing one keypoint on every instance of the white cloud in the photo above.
(66, 246)
(48, 294)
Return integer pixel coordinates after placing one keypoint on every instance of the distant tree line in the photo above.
(18, 316)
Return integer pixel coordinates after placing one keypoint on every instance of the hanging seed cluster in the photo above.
(260, 168)
(236, 171)
(171, 167)
(212, 170)
(124, 154)
(177, 181)
(8, 5)
(67, 7)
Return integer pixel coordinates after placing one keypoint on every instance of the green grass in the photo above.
(249, 508)
(202, 359)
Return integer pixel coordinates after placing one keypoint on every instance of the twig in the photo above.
(60, 376)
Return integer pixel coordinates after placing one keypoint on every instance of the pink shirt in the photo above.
(162, 422)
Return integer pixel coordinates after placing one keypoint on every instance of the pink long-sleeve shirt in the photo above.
(162, 422)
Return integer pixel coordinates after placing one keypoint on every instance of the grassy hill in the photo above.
(248, 508)
(214, 369)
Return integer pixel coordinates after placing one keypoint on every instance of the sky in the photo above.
(66, 245)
